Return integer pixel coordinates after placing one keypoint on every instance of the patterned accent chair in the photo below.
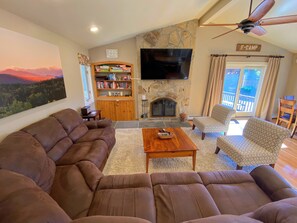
(260, 143)
(217, 122)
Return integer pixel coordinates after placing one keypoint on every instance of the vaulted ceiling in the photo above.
(121, 19)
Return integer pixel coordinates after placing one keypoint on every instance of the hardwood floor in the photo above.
(286, 164)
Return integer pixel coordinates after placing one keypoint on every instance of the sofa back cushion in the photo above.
(72, 123)
(22, 153)
(51, 135)
(23, 201)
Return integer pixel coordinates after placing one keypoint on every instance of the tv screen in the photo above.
(158, 64)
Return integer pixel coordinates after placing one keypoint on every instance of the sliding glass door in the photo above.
(242, 85)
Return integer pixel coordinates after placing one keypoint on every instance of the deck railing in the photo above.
(245, 102)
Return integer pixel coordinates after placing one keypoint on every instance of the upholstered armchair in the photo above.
(217, 122)
(260, 143)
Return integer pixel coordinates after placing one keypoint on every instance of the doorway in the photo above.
(242, 86)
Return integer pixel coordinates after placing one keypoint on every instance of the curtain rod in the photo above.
(241, 55)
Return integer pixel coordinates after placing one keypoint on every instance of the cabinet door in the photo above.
(107, 109)
(124, 110)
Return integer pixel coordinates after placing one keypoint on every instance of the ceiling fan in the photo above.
(254, 22)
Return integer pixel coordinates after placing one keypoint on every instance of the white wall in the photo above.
(70, 66)
(292, 81)
(126, 50)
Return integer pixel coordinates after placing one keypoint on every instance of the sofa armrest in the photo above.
(273, 184)
(94, 124)
(226, 218)
(279, 211)
(91, 173)
(110, 219)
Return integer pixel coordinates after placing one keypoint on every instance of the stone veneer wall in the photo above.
(182, 35)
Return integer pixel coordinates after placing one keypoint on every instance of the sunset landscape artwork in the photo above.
(30, 73)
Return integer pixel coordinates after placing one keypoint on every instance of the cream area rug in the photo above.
(128, 156)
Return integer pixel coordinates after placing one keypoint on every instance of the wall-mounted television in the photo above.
(160, 64)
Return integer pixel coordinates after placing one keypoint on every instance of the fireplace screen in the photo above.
(163, 107)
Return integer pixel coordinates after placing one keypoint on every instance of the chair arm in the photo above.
(94, 124)
(109, 219)
(273, 184)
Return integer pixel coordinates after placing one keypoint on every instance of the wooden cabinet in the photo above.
(114, 90)
(117, 110)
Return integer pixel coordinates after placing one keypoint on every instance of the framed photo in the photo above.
(30, 73)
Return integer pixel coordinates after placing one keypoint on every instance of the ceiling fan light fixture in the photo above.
(247, 27)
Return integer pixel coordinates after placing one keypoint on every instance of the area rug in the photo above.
(128, 156)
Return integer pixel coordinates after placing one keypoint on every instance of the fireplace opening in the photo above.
(163, 107)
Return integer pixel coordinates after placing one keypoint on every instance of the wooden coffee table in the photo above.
(178, 146)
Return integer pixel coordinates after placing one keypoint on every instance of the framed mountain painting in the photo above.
(30, 73)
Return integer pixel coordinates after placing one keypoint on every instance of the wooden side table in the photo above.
(95, 114)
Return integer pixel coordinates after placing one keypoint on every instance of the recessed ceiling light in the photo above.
(94, 29)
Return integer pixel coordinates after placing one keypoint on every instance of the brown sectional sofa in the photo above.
(50, 171)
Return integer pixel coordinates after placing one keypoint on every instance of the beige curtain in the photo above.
(267, 96)
(215, 83)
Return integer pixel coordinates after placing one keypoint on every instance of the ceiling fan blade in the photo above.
(227, 24)
(225, 33)
(278, 20)
(261, 10)
(258, 30)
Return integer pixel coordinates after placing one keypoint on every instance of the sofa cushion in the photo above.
(110, 219)
(94, 124)
(234, 192)
(51, 135)
(125, 195)
(106, 134)
(22, 201)
(74, 187)
(47, 131)
(181, 197)
(60, 148)
(72, 123)
(95, 152)
(280, 211)
(224, 219)
(22, 153)
(175, 178)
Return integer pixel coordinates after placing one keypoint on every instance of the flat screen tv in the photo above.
(160, 64)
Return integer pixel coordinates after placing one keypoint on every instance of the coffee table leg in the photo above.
(147, 162)
(194, 159)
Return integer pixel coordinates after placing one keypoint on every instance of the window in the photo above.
(242, 85)
(87, 84)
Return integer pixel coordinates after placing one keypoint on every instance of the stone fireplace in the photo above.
(181, 35)
(163, 107)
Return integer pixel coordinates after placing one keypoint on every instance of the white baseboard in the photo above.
(190, 117)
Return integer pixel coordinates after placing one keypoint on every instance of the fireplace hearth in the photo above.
(163, 107)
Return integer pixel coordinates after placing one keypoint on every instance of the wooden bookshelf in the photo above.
(114, 89)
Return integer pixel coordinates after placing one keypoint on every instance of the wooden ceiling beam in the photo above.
(216, 10)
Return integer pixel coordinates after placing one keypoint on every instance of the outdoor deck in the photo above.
(245, 102)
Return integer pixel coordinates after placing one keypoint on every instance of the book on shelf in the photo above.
(100, 84)
(112, 68)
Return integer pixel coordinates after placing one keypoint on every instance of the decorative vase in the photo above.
(183, 117)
